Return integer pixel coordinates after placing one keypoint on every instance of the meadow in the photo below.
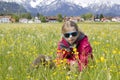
(20, 44)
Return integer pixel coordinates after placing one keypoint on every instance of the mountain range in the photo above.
(70, 7)
(12, 7)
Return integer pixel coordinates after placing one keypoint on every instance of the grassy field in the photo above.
(20, 44)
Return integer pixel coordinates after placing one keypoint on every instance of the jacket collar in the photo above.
(82, 35)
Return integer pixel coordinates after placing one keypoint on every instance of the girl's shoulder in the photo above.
(83, 41)
(82, 37)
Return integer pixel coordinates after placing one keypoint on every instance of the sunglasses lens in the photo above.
(67, 35)
(74, 34)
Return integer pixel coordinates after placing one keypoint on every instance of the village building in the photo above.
(23, 20)
(74, 18)
(52, 19)
(36, 20)
(105, 20)
(6, 19)
(116, 19)
(30, 21)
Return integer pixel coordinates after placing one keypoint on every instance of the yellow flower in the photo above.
(58, 51)
(91, 66)
(55, 60)
(97, 61)
(54, 73)
(114, 51)
(76, 75)
(102, 59)
(119, 52)
(61, 61)
(67, 77)
(28, 77)
(11, 78)
(65, 60)
(96, 43)
(76, 53)
(74, 49)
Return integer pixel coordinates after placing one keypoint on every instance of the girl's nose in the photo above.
(70, 36)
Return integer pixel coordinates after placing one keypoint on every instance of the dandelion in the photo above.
(28, 77)
(61, 61)
(58, 51)
(67, 77)
(91, 66)
(119, 52)
(65, 60)
(96, 43)
(76, 56)
(11, 78)
(74, 50)
(102, 59)
(57, 62)
(114, 51)
(112, 66)
(97, 60)
(107, 45)
(111, 70)
(76, 75)
(54, 73)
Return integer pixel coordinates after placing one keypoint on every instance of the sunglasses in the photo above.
(67, 35)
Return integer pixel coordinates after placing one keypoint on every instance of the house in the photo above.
(96, 18)
(6, 19)
(75, 19)
(105, 20)
(52, 19)
(116, 19)
(36, 20)
(30, 21)
(23, 20)
(66, 19)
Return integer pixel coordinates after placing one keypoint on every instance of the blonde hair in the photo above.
(69, 24)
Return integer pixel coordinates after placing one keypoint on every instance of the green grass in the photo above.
(20, 44)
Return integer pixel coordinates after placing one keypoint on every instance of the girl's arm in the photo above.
(86, 51)
(86, 48)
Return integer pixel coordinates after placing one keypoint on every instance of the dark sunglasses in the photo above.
(67, 35)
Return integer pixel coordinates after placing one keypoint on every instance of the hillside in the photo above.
(11, 7)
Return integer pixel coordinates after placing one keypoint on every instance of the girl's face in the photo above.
(71, 35)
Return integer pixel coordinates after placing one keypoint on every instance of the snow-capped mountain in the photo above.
(70, 7)
(105, 7)
(59, 6)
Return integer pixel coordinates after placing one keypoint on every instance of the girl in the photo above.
(74, 46)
